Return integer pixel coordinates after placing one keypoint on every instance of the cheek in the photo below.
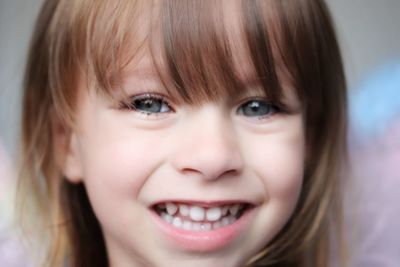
(116, 165)
(283, 177)
(280, 165)
(119, 163)
(277, 159)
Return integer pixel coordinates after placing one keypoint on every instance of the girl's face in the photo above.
(179, 185)
(176, 185)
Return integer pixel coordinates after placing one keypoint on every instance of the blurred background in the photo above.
(369, 36)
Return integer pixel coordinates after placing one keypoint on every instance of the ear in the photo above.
(66, 151)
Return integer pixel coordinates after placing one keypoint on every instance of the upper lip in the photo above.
(204, 203)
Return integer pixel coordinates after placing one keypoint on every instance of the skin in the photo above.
(129, 160)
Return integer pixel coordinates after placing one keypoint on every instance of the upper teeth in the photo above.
(171, 208)
(234, 209)
(213, 214)
(184, 209)
(198, 214)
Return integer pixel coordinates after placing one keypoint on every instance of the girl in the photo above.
(184, 133)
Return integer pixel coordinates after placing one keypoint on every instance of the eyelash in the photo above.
(272, 108)
(137, 100)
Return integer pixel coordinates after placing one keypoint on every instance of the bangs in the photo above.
(213, 51)
(202, 51)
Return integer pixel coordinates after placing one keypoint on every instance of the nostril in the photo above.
(189, 171)
(210, 165)
(209, 173)
(234, 172)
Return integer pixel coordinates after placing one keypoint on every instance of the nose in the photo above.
(208, 146)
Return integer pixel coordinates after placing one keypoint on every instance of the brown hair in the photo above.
(285, 41)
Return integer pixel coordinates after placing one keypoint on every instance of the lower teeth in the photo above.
(197, 226)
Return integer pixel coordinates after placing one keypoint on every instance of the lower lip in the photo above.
(204, 241)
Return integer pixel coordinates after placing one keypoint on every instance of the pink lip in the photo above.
(207, 204)
(203, 241)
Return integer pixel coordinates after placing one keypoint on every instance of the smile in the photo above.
(197, 218)
(196, 226)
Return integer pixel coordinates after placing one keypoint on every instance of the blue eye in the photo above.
(149, 104)
(256, 108)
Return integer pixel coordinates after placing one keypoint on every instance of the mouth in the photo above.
(202, 226)
(198, 217)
